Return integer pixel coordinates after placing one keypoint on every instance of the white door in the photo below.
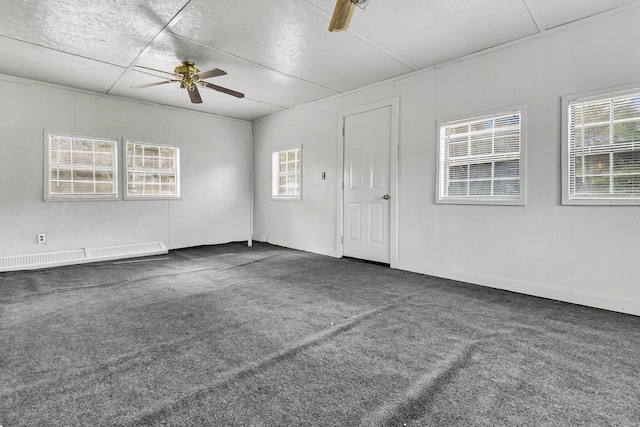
(367, 147)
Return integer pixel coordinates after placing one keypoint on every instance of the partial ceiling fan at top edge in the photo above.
(342, 15)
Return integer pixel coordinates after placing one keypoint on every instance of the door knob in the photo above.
(386, 197)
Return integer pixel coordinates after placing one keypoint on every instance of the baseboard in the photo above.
(79, 256)
(604, 302)
(301, 246)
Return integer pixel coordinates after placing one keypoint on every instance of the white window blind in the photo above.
(152, 170)
(80, 168)
(287, 174)
(480, 159)
(604, 147)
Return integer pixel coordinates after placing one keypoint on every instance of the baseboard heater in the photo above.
(80, 256)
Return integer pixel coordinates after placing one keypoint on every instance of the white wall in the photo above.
(582, 254)
(215, 165)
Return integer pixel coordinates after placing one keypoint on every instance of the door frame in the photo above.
(394, 104)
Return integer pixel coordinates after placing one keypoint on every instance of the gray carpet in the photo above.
(234, 336)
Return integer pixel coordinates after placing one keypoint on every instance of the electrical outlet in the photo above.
(42, 238)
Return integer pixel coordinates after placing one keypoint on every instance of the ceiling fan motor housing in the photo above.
(187, 70)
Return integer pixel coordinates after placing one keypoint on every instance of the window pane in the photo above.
(459, 172)
(104, 176)
(104, 146)
(458, 188)
(626, 162)
(596, 112)
(64, 143)
(152, 189)
(482, 170)
(104, 159)
(151, 151)
(508, 121)
(168, 189)
(166, 152)
(592, 184)
(83, 187)
(168, 178)
(459, 149)
(104, 188)
(481, 145)
(626, 184)
(454, 130)
(481, 125)
(82, 145)
(626, 132)
(64, 158)
(596, 135)
(151, 163)
(510, 187)
(509, 143)
(83, 175)
(61, 188)
(480, 188)
(506, 169)
(137, 189)
(596, 164)
(168, 164)
(82, 158)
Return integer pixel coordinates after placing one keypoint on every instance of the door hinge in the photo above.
(342, 130)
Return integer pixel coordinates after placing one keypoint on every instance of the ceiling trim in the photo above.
(535, 16)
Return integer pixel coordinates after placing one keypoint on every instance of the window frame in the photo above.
(441, 181)
(126, 169)
(275, 175)
(595, 199)
(49, 196)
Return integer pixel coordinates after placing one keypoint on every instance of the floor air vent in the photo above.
(79, 256)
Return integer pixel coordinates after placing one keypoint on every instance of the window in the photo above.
(601, 148)
(153, 171)
(79, 167)
(481, 159)
(287, 174)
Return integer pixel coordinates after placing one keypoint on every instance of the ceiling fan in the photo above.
(343, 12)
(189, 77)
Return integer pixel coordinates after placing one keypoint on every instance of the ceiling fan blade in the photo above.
(341, 15)
(211, 73)
(223, 90)
(153, 84)
(195, 95)
(158, 71)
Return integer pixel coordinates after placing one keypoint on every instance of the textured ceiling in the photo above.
(279, 53)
